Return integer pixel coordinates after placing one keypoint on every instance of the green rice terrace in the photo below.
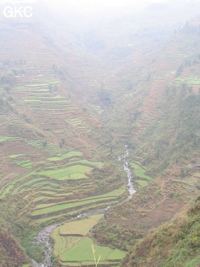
(49, 170)
(52, 184)
(50, 111)
(61, 185)
(72, 239)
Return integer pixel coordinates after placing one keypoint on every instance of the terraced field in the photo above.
(74, 247)
(53, 112)
(140, 178)
(46, 104)
(58, 187)
(51, 175)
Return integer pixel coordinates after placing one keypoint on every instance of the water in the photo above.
(128, 173)
(43, 237)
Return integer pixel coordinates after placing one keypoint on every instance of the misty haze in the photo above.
(99, 133)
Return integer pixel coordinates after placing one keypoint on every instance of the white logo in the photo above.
(14, 12)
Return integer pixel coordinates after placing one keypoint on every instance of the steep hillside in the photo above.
(176, 243)
(160, 109)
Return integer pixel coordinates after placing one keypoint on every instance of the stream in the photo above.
(43, 237)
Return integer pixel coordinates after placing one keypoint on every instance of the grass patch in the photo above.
(82, 251)
(64, 206)
(79, 227)
(45, 209)
(76, 212)
(140, 172)
(76, 250)
(72, 172)
(14, 156)
(63, 243)
(141, 182)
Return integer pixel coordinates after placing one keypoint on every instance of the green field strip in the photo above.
(36, 90)
(5, 191)
(32, 100)
(72, 172)
(15, 156)
(30, 182)
(82, 251)
(18, 88)
(192, 80)
(112, 194)
(57, 193)
(34, 186)
(116, 192)
(64, 110)
(48, 190)
(52, 150)
(23, 177)
(53, 189)
(37, 85)
(98, 198)
(142, 182)
(48, 103)
(73, 213)
(61, 235)
(46, 199)
(44, 102)
(90, 263)
(36, 144)
(49, 219)
(27, 164)
(75, 122)
(49, 108)
(89, 163)
(70, 204)
(11, 184)
(45, 97)
(140, 172)
(67, 207)
(61, 244)
(68, 155)
(48, 183)
(79, 227)
(6, 138)
(67, 175)
(105, 197)
(38, 95)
